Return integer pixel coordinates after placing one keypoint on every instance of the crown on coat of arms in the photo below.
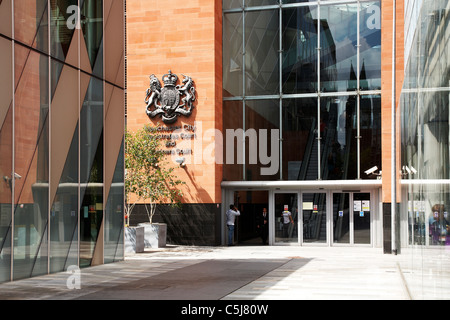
(170, 79)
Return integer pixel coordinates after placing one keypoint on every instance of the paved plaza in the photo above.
(228, 273)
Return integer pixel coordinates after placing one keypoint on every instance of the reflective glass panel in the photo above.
(232, 54)
(91, 170)
(436, 206)
(262, 72)
(300, 50)
(417, 223)
(233, 146)
(298, 1)
(31, 164)
(230, 4)
(370, 130)
(31, 23)
(361, 218)
(114, 214)
(314, 210)
(425, 149)
(6, 154)
(370, 49)
(338, 129)
(64, 170)
(286, 217)
(435, 126)
(92, 28)
(64, 214)
(60, 34)
(336, 153)
(251, 3)
(409, 118)
(299, 139)
(113, 49)
(262, 122)
(341, 217)
(338, 54)
(5, 17)
(433, 45)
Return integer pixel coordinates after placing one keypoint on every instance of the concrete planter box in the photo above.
(155, 234)
(134, 239)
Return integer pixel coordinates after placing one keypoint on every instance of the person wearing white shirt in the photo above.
(232, 213)
(287, 219)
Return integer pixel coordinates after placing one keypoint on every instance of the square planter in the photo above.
(134, 239)
(155, 234)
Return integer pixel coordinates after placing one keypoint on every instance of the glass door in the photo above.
(351, 218)
(361, 218)
(314, 209)
(341, 218)
(286, 217)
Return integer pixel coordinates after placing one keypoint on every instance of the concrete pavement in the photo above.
(227, 273)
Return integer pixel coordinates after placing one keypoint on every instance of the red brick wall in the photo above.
(186, 38)
(386, 87)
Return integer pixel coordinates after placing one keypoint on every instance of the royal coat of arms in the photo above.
(166, 101)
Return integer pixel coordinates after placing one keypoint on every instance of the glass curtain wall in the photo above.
(311, 73)
(54, 125)
(425, 156)
(425, 127)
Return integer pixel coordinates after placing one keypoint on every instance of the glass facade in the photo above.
(425, 150)
(61, 147)
(309, 73)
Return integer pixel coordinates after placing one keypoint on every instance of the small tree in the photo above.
(148, 176)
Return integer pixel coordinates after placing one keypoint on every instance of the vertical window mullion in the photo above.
(358, 96)
(280, 105)
(243, 93)
(49, 131)
(79, 35)
(318, 93)
(13, 139)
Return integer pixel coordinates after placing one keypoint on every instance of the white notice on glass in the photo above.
(307, 205)
(357, 205)
(365, 205)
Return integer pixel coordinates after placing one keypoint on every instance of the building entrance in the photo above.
(314, 218)
(351, 218)
(286, 217)
(324, 218)
(308, 217)
(249, 226)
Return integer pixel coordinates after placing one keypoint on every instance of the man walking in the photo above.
(231, 217)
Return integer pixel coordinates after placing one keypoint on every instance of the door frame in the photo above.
(375, 214)
(372, 211)
(272, 218)
(329, 217)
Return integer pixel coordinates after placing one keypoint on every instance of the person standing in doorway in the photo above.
(263, 225)
(232, 213)
(287, 220)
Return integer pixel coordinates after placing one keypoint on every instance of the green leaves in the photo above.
(147, 174)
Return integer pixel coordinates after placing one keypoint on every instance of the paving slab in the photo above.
(228, 273)
(208, 280)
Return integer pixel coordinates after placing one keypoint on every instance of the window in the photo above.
(319, 66)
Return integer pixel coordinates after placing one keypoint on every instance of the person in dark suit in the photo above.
(263, 225)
